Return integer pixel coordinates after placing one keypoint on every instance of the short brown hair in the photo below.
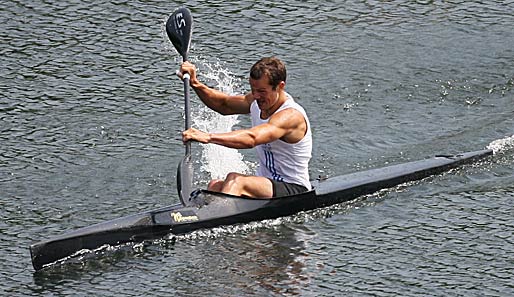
(272, 67)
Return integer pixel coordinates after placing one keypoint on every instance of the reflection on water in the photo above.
(265, 261)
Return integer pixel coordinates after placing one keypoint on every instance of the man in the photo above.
(280, 132)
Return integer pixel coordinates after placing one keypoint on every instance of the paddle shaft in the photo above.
(187, 108)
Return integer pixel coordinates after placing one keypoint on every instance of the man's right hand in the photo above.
(214, 99)
(188, 67)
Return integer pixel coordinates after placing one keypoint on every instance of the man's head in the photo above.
(272, 68)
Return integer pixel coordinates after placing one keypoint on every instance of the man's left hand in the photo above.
(193, 134)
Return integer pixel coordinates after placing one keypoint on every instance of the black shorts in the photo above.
(281, 189)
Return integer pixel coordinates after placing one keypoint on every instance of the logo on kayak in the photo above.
(180, 217)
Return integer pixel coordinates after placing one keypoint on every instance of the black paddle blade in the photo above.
(185, 180)
(179, 27)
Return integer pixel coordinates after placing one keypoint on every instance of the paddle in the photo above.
(178, 28)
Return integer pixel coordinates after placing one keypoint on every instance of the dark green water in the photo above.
(90, 115)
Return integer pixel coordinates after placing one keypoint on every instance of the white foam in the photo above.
(217, 160)
(501, 145)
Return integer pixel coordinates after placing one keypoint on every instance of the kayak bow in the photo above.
(207, 209)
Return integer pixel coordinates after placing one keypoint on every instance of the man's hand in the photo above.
(193, 134)
(188, 67)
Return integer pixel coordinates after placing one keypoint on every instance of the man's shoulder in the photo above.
(288, 116)
(294, 107)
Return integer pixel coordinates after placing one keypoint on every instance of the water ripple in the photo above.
(90, 113)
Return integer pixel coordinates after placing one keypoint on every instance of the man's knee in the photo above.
(215, 185)
(234, 182)
(234, 176)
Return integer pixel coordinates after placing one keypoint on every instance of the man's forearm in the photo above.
(239, 139)
(213, 98)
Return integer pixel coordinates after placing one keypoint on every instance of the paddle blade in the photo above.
(179, 27)
(185, 180)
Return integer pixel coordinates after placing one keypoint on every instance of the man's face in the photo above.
(263, 93)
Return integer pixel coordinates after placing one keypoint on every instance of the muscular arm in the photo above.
(217, 100)
(288, 125)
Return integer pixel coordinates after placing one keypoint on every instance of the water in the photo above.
(90, 116)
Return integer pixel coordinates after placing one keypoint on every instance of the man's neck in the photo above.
(282, 97)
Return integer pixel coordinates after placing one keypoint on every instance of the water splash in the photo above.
(217, 160)
(501, 145)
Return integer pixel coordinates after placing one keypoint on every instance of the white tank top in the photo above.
(282, 161)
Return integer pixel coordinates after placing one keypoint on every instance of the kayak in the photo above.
(205, 209)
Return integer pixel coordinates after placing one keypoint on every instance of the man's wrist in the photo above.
(195, 83)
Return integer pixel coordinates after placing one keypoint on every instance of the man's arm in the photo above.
(217, 100)
(288, 125)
